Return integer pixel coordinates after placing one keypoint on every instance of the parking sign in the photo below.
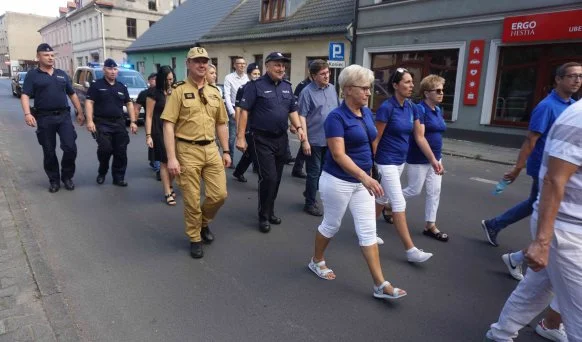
(336, 51)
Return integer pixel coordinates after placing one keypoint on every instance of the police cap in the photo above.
(110, 63)
(276, 56)
(252, 67)
(44, 47)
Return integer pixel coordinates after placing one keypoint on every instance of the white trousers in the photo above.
(420, 175)
(337, 195)
(392, 187)
(533, 294)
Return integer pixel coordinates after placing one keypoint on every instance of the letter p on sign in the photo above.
(336, 52)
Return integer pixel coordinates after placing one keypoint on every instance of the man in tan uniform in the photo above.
(193, 113)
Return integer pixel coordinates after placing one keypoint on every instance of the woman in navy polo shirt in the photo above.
(346, 181)
(396, 120)
(420, 172)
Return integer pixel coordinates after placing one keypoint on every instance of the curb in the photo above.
(477, 157)
(52, 300)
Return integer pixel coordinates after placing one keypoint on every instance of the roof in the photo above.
(184, 26)
(313, 17)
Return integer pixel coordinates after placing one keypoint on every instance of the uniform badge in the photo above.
(189, 95)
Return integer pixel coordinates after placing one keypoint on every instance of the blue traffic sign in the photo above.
(336, 51)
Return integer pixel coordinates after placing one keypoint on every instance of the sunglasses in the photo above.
(398, 71)
(202, 97)
(438, 91)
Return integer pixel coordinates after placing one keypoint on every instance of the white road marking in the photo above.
(483, 180)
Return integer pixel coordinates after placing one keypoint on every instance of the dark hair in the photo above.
(317, 65)
(562, 69)
(396, 77)
(237, 57)
(161, 78)
(152, 75)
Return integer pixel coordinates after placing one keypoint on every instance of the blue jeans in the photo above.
(518, 212)
(231, 135)
(314, 165)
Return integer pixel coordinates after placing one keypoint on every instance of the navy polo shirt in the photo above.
(108, 98)
(393, 146)
(48, 91)
(542, 118)
(343, 123)
(434, 126)
(269, 104)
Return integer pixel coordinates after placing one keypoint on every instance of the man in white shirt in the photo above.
(232, 82)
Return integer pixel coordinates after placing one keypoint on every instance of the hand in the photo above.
(30, 120)
(442, 169)
(306, 148)
(133, 127)
(537, 255)
(292, 129)
(437, 167)
(80, 118)
(174, 167)
(149, 142)
(512, 174)
(300, 135)
(91, 126)
(373, 187)
(226, 161)
(241, 144)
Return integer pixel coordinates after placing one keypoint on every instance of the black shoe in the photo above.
(313, 210)
(274, 219)
(206, 235)
(196, 251)
(158, 177)
(240, 178)
(69, 185)
(100, 179)
(264, 226)
(120, 182)
(299, 174)
(54, 187)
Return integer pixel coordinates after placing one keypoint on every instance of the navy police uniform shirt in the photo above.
(108, 98)
(393, 146)
(434, 126)
(269, 105)
(48, 91)
(239, 95)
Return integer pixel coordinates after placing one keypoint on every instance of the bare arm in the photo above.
(150, 103)
(169, 140)
(524, 152)
(424, 146)
(296, 122)
(76, 103)
(380, 126)
(89, 115)
(25, 103)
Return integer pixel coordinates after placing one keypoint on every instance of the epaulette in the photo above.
(287, 81)
(177, 84)
(214, 86)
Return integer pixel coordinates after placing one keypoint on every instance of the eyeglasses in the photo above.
(438, 91)
(202, 97)
(365, 89)
(573, 76)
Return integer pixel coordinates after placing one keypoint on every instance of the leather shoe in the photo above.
(298, 174)
(100, 179)
(69, 185)
(120, 182)
(196, 251)
(240, 178)
(264, 226)
(274, 219)
(54, 187)
(206, 235)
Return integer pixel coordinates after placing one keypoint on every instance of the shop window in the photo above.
(420, 64)
(525, 76)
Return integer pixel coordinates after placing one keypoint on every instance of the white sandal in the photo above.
(396, 292)
(317, 269)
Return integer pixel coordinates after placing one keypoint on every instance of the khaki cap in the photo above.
(197, 52)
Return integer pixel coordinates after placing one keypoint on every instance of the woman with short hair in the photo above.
(420, 172)
(155, 102)
(212, 76)
(396, 120)
(346, 181)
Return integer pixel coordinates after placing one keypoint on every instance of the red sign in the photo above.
(473, 77)
(540, 27)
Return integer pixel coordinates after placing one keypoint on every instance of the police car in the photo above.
(133, 80)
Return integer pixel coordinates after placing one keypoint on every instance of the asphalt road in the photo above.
(121, 258)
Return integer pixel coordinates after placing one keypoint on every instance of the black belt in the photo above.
(267, 133)
(109, 118)
(196, 142)
(59, 111)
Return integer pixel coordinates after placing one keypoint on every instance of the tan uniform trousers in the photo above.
(200, 163)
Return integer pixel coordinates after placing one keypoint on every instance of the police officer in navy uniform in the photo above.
(267, 105)
(49, 87)
(104, 109)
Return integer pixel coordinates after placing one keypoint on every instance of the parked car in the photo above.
(133, 80)
(17, 82)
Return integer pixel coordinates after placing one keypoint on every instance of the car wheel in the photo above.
(14, 93)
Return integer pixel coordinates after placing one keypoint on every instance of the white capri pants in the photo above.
(337, 195)
(562, 276)
(419, 175)
(392, 188)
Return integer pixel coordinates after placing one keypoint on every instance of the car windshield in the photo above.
(22, 76)
(131, 79)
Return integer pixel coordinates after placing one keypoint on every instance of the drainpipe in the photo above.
(102, 30)
(354, 28)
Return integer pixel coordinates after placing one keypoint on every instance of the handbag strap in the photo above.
(367, 134)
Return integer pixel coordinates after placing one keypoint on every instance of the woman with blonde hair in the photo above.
(346, 180)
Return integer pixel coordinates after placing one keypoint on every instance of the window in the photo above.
(525, 76)
(287, 67)
(95, 56)
(214, 62)
(153, 5)
(157, 67)
(131, 27)
(272, 10)
(259, 61)
(141, 67)
(420, 64)
(152, 23)
(79, 61)
(174, 64)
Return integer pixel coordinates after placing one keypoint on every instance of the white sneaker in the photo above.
(515, 270)
(551, 334)
(417, 255)
(379, 240)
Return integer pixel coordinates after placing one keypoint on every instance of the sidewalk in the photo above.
(479, 151)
